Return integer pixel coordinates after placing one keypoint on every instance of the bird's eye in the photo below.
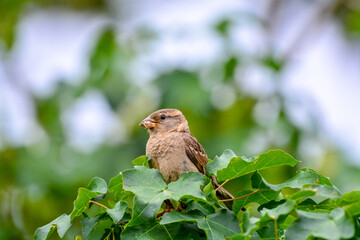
(163, 117)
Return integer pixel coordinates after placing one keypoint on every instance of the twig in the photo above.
(232, 199)
(99, 204)
(276, 231)
(221, 185)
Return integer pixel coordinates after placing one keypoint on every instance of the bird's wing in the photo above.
(195, 152)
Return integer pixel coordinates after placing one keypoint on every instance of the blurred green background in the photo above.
(77, 77)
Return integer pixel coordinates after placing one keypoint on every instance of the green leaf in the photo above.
(264, 226)
(204, 207)
(273, 63)
(216, 226)
(61, 224)
(220, 224)
(176, 231)
(267, 231)
(335, 225)
(260, 196)
(239, 166)
(141, 161)
(220, 162)
(118, 211)
(301, 194)
(188, 216)
(249, 224)
(210, 194)
(116, 186)
(82, 201)
(97, 185)
(230, 67)
(95, 228)
(288, 221)
(311, 183)
(151, 190)
(258, 182)
(324, 191)
(350, 202)
(274, 209)
(310, 205)
(303, 177)
(223, 27)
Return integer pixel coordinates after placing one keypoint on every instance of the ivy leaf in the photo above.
(350, 202)
(336, 225)
(324, 192)
(239, 166)
(220, 162)
(311, 184)
(61, 224)
(175, 217)
(151, 190)
(267, 231)
(118, 211)
(98, 185)
(220, 224)
(210, 194)
(249, 224)
(310, 205)
(303, 177)
(216, 226)
(204, 207)
(274, 209)
(258, 182)
(301, 194)
(176, 231)
(288, 221)
(95, 228)
(116, 186)
(141, 161)
(82, 201)
(260, 196)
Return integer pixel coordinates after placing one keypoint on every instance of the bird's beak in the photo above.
(148, 123)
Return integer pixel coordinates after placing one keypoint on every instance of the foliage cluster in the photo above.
(129, 207)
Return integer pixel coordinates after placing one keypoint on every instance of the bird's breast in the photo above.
(168, 155)
(163, 146)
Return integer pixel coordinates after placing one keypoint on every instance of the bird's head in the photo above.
(165, 120)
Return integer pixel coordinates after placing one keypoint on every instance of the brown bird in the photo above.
(174, 150)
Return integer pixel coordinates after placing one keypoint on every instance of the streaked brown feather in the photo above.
(197, 155)
(195, 152)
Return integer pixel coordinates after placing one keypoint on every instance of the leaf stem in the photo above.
(222, 184)
(99, 204)
(232, 199)
(276, 229)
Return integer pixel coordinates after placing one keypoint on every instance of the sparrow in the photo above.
(174, 150)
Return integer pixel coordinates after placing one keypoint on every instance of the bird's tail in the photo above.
(222, 193)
